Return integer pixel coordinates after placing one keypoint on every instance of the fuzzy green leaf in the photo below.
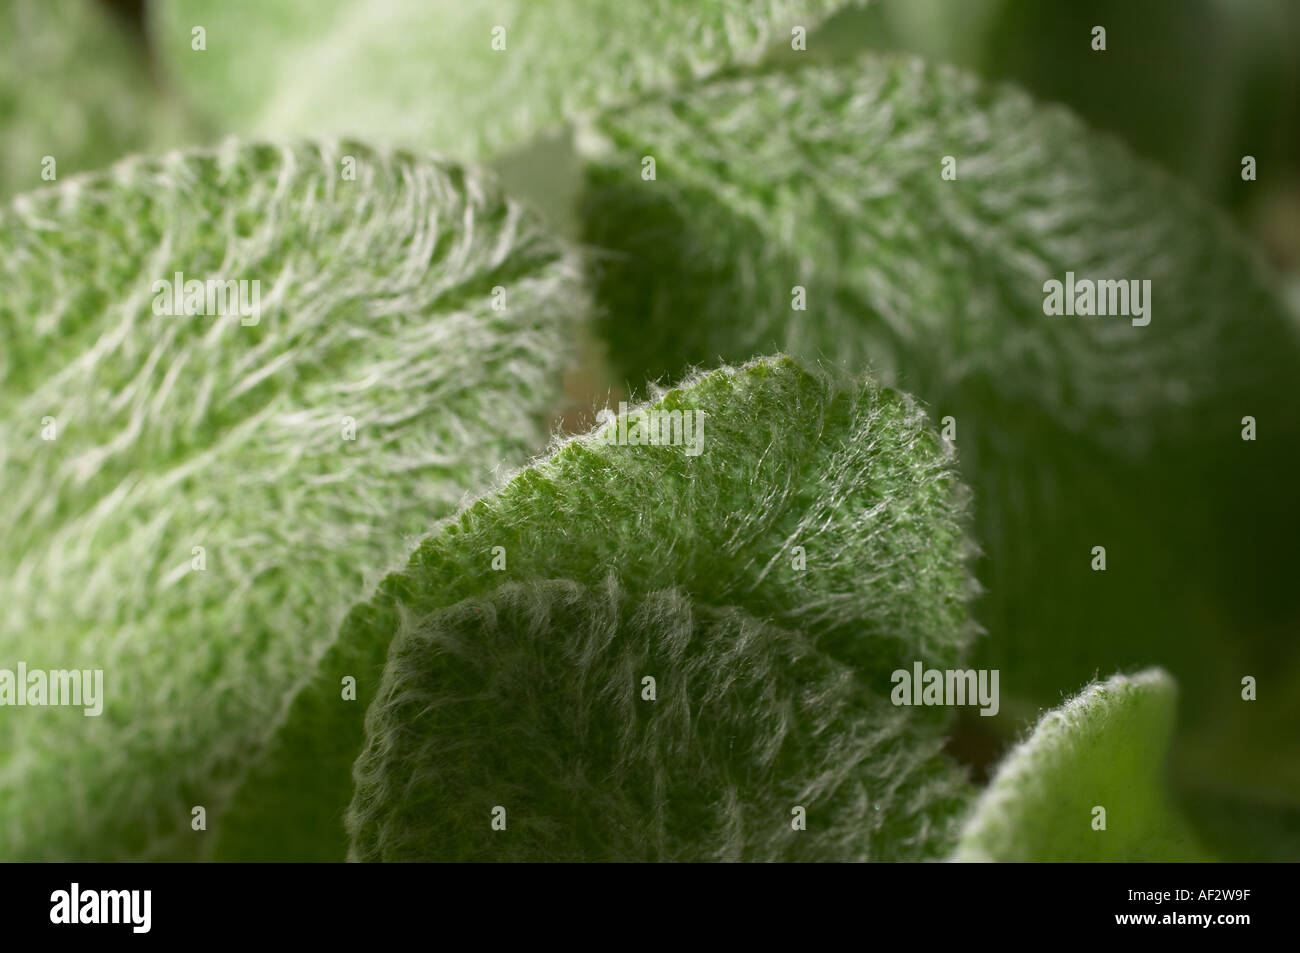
(304, 451)
(611, 538)
(1105, 748)
(425, 72)
(830, 179)
(534, 698)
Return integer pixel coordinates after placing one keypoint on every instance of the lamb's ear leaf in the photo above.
(191, 502)
(907, 218)
(74, 92)
(604, 725)
(470, 78)
(1088, 784)
(806, 502)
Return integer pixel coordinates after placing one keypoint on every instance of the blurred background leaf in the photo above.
(467, 78)
(74, 85)
(1192, 84)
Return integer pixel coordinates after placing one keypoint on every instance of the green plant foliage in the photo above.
(426, 72)
(606, 536)
(830, 179)
(533, 699)
(343, 610)
(132, 437)
(1107, 747)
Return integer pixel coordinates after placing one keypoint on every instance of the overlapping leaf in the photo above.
(192, 501)
(816, 531)
(824, 188)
